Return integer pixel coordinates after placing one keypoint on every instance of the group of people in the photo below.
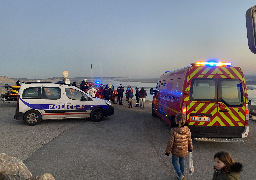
(102, 92)
(87, 87)
(105, 92)
(139, 94)
(180, 143)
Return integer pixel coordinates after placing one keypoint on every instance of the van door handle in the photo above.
(223, 110)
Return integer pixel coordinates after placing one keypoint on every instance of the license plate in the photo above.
(196, 118)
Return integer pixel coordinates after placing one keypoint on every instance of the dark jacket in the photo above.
(232, 175)
(180, 142)
(82, 86)
(137, 94)
(129, 94)
(120, 91)
(142, 93)
(106, 93)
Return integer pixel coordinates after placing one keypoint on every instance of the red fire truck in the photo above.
(212, 95)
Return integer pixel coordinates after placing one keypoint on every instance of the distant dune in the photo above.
(4, 79)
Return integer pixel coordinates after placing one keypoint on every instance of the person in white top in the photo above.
(92, 91)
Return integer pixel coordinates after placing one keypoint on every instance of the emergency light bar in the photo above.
(211, 64)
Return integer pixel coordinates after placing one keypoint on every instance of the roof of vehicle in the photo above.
(45, 84)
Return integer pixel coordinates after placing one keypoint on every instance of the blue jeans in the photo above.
(179, 168)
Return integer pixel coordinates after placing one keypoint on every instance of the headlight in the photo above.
(108, 102)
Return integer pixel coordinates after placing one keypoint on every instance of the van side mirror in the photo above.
(151, 91)
(251, 28)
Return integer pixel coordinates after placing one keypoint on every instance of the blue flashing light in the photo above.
(212, 63)
(97, 82)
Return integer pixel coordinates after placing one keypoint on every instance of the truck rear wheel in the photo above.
(32, 118)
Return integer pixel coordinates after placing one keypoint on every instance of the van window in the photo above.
(75, 94)
(231, 92)
(203, 89)
(32, 93)
(51, 93)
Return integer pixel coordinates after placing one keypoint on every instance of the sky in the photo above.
(120, 38)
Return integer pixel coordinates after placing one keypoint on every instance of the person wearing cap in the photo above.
(120, 91)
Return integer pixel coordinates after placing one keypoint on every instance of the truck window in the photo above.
(51, 93)
(231, 92)
(203, 89)
(32, 93)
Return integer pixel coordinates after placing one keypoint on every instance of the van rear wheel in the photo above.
(32, 117)
(97, 115)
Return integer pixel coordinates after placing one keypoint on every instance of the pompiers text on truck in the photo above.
(212, 95)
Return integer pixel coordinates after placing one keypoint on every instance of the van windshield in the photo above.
(228, 91)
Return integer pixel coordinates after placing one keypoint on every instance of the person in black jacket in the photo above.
(106, 93)
(120, 91)
(143, 95)
(130, 96)
(82, 86)
(137, 97)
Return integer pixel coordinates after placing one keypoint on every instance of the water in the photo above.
(251, 90)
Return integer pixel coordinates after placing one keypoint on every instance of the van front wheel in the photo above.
(32, 117)
(97, 115)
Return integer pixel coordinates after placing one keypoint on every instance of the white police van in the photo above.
(41, 101)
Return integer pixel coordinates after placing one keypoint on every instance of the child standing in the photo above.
(129, 95)
(225, 167)
(179, 144)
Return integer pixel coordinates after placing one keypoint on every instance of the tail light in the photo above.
(184, 109)
(246, 115)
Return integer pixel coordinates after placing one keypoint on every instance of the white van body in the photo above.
(41, 101)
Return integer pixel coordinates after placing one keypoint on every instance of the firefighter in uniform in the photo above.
(100, 91)
(106, 93)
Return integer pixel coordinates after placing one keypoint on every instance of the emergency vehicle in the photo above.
(41, 101)
(11, 94)
(212, 95)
